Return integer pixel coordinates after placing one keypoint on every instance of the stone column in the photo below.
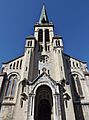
(31, 106)
(57, 108)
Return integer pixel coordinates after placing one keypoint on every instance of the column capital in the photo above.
(56, 94)
(31, 94)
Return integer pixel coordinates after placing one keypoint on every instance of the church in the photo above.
(44, 83)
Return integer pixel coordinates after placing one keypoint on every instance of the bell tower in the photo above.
(44, 31)
(48, 45)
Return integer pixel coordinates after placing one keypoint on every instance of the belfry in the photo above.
(44, 83)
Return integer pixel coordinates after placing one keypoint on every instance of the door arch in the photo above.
(43, 103)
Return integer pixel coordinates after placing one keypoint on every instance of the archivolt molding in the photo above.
(52, 87)
(15, 73)
(79, 73)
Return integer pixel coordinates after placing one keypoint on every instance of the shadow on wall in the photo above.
(76, 89)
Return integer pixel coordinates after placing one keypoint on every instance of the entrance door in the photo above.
(43, 103)
(44, 110)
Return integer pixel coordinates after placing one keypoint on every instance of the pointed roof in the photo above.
(43, 17)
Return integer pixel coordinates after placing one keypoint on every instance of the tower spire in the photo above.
(43, 17)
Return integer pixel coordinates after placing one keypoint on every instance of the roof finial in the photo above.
(43, 17)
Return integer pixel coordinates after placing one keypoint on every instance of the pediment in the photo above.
(44, 77)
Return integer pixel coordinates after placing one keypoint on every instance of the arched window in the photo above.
(40, 35)
(73, 64)
(17, 64)
(20, 64)
(11, 66)
(57, 43)
(11, 86)
(78, 85)
(14, 65)
(29, 43)
(47, 35)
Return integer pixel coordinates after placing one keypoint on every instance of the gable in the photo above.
(44, 77)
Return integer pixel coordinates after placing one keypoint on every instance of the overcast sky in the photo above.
(70, 18)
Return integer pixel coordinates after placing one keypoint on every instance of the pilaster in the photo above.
(31, 103)
(56, 108)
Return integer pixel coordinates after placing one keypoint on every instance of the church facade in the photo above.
(44, 83)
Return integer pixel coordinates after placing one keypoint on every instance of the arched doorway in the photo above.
(44, 110)
(43, 103)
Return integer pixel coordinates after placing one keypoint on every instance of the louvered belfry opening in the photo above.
(47, 35)
(40, 35)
